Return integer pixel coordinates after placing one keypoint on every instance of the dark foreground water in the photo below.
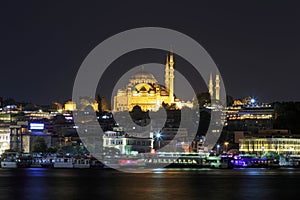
(161, 184)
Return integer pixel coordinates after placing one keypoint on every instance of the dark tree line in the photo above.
(287, 116)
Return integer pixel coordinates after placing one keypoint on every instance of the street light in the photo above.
(218, 148)
(158, 137)
(226, 145)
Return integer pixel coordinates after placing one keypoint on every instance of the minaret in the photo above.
(167, 74)
(217, 87)
(211, 86)
(171, 93)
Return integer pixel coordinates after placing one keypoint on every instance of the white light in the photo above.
(158, 135)
(36, 126)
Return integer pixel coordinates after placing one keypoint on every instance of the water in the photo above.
(39, 183)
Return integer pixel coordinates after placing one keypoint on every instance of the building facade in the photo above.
(127, 144)
(4, 138)
(264, 145)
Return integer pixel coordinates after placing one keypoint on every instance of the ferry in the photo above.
(24, 160)
(82, 163)
(63, 162)
(9, 163)
(131, 163)
(175, 160)
(242, 161)
(48, 161)
(212, 162)
(9, 160)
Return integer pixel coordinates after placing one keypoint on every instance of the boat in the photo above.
(251, 161)
(9, 160)
(213, 162)
(63, 162)
(9, 163)
(94, 163)
(82, 163)
(131, 163)
(48, 161)
(174, 160)
(25, 160)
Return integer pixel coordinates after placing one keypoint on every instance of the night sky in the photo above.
(256, 45)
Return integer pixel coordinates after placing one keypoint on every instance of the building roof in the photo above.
(142, 77)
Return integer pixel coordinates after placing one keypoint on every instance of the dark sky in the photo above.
(256, 45)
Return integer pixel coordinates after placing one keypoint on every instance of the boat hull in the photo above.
(10, 165)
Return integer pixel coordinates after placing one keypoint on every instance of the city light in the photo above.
(36, 126)
(226, 146)
(158, 135)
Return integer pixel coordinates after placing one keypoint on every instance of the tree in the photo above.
(287, 116)
(229, 100)
(270, 155)
(103, 104)
(52, 150)
(39, 145)
(203, 98)
(9, 101)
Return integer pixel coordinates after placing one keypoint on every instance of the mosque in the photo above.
(145, 91)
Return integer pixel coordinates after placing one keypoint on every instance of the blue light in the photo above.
(252, 100)
(36, 126)
(158, 135)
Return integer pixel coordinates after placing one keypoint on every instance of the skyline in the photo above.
(43, 45)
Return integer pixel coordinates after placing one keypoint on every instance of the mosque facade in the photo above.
(143, 90)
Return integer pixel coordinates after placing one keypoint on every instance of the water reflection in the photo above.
(39, 183)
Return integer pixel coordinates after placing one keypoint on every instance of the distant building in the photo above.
(84, 104)
(70, 106)
(55, 107)
(4, 138)
(250, 117)
(215, 96)
(22, 135)
(28, 140)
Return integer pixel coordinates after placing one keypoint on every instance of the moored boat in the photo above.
(64, 162)
(9, 160)
(82, 163)
(9, 163)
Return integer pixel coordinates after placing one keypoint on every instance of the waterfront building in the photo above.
(126, 144)
(264, 145)
(275, 140)
(4, 138)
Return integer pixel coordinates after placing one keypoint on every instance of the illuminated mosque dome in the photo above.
(142, 77)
